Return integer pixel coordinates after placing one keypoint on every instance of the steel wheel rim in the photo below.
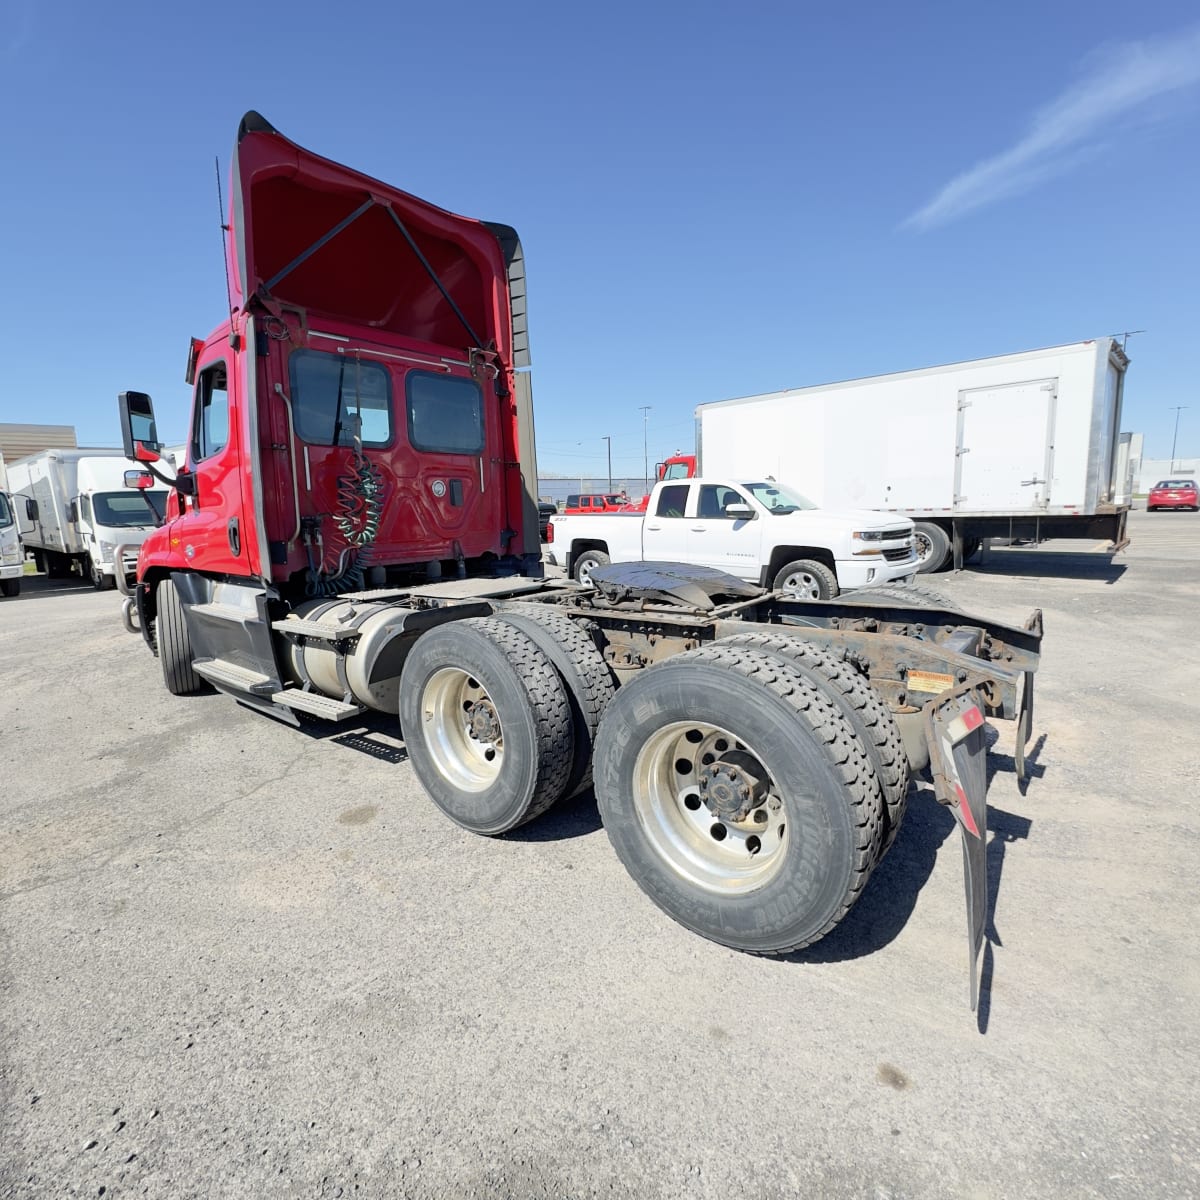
(802, 583)
(923, 546)
(746, 854)
(451, 726)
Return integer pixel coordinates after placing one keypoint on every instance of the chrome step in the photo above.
(298, 627)
(226, 674)
(317, 704)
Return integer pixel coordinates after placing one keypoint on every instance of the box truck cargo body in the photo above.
(1021, 445)
(75, 507)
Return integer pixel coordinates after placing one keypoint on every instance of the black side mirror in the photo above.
(138, 430)
(31, 509)
(73, 512)
(185, 484)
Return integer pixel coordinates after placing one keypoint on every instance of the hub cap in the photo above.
(709, 807)
(462, 729)
(803, 584)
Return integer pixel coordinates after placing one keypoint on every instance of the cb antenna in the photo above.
(225, 249)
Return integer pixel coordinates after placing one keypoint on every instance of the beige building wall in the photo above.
(19, 441)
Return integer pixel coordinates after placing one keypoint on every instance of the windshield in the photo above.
(778, 499)
(128, 510)
(6, 517)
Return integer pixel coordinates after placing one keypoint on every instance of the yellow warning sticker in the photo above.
(929, 681)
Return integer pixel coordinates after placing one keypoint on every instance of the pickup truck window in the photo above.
(672, 501)
(778, 499)
(713, 499)
(332, 393)
(445, 413)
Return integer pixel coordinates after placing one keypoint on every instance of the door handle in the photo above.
(235, 537)
(654, 528)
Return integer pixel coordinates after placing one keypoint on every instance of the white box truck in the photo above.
(12, 557)
(1018, 446)
(75, 507)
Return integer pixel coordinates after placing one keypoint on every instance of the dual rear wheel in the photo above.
(749, 787)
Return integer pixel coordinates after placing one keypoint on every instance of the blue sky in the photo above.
(715, 199)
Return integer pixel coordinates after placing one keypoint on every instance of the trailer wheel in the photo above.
(807, 579)
(932, 544)
(862, 706)
(487, 724)
(587, 562)
(175, 644)
(738, 797)
(58, 566)
(10, 587)
(584, 673)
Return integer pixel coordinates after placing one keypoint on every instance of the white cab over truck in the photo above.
(12, 557)
(1021, 445)
(757, 530)
(75, 507)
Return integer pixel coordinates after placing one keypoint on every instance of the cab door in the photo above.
(718, 539)
(211, 533)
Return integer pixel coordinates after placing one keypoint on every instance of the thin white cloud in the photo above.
(1066, 131)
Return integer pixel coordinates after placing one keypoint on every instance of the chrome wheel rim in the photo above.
(687, 817)
(803, 584)
(462, 729)
(586, 565)
(923, 546)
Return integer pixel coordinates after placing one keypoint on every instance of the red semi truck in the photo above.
(355, 528)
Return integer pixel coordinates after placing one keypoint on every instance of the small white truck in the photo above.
(759, 531)
(12, 558)
(75, 507)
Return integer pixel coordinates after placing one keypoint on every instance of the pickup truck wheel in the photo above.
(175, 644)
(487, 724)
(583, 671)
(862, 706)
(587, 562)
(10, 587)
(738, 797)
(932, 545)
(807, 579)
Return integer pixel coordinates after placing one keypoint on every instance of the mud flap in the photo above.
(958, 760)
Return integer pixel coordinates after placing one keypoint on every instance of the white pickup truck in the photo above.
(760, 531)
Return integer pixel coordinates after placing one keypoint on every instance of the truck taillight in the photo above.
(550, 532)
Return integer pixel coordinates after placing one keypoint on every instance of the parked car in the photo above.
(1173, 493)
(546, 510)
(606, 502)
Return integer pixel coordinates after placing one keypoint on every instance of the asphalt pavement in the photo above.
(238, 959)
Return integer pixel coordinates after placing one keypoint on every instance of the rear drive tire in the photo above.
(587, 562)
(583, 671)
(781, 845)
(10, 587)
(807, 579)
(175, 644)
(58, 566)
(932, 544)
(909, 592)
(861, 705)
(487, 724)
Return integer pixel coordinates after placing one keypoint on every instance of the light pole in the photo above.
(1178, 409)
(608, 439)
(646, 444)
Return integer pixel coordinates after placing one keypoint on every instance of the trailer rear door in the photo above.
(1005, 447)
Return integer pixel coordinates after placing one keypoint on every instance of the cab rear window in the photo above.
(445, 413)
(335, 396)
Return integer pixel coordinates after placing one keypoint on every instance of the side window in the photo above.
(335, 396)
(85, 509)
(210, 419)
(672, 501)
(445, 413)
(713, 499)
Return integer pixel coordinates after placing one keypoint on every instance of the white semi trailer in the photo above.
(75, 507)
(1021, 445)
